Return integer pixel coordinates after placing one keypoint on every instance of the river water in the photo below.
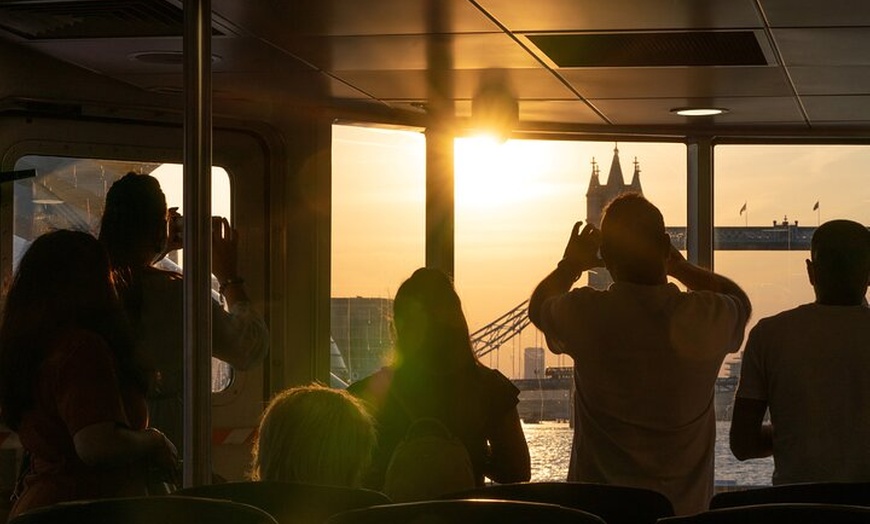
(550, 448)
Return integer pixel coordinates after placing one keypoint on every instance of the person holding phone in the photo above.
(138, 230)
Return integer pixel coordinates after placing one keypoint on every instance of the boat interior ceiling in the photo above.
(777, 67)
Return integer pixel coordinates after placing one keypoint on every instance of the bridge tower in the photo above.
(598, 195)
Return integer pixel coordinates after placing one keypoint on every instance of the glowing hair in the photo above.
(431, 329)
(315, 435)
(134, 221)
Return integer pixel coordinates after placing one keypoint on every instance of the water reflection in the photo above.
(550, 449)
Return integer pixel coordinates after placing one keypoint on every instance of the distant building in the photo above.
(533, 363)
(361, 331)
(598, 195)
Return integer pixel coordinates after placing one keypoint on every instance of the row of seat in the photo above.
(285, 503)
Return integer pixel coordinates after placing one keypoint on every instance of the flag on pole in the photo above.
(742, 209)
(815, 207)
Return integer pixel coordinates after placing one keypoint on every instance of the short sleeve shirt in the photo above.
(646, 360)
(812, 366)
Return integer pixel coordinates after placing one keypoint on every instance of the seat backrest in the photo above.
(778, 514)
(147, 510)
(614, 504)
(855, 494)
(291, 502)
(466, 512)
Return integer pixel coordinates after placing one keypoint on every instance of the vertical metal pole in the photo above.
(439, 199)
(440, 134)
(197, 242)
(699, 233)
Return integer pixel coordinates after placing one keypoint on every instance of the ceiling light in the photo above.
(698, 111)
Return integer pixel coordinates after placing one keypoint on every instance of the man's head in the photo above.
(839, 269)
(634, 244)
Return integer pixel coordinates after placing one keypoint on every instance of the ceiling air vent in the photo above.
(691, 48)
(89, 19)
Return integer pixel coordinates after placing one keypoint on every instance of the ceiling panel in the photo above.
(231, 54)
(413, 52)
(595, 15)
(248, 86)
(824, 47)
(345, 52)
(838, 108)
(831, 80)
(561, 111)
(677, 82)
(522, 83)
(815, 13)
(742, 111)
(275, 18)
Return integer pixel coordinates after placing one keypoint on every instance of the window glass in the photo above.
(378, 235)
(68, 193)
(515, 205)
(768, 201)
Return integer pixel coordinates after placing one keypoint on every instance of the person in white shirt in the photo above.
(646, 354)
(810, 366)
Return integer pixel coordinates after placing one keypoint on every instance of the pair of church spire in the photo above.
(615, 177)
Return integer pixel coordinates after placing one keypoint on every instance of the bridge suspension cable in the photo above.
(495, 334)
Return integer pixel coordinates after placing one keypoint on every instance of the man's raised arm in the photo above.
(581, 254)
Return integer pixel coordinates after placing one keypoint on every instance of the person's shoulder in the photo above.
(494, 379)
(373, 386)
(786, 319)
(82, 339)
(584, 295)
(161, 283)
(78, 345)
(157, 274)
(707, 297)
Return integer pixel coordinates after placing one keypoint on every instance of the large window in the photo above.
(768, 201)
(515, 205)
(68, 193)
(378, 234)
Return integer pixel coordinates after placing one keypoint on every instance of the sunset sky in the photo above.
(516, 203)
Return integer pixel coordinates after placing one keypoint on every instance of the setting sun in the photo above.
(492, 174)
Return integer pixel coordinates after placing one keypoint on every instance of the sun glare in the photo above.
(492, 174)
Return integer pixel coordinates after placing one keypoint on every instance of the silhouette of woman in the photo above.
(71, 384)
(435, 375)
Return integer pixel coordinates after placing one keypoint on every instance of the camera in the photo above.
(176, 229)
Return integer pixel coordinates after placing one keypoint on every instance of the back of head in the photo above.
(63, 280)
(431, 330)
(634, 243)
(841, 261)
(134, 220)
(314, 435)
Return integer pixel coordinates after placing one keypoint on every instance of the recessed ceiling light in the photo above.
(698, 111)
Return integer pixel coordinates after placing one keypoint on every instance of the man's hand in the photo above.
(676, 261)
(582, 249)
(581, 254)
(174, 230)
(224, 249)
